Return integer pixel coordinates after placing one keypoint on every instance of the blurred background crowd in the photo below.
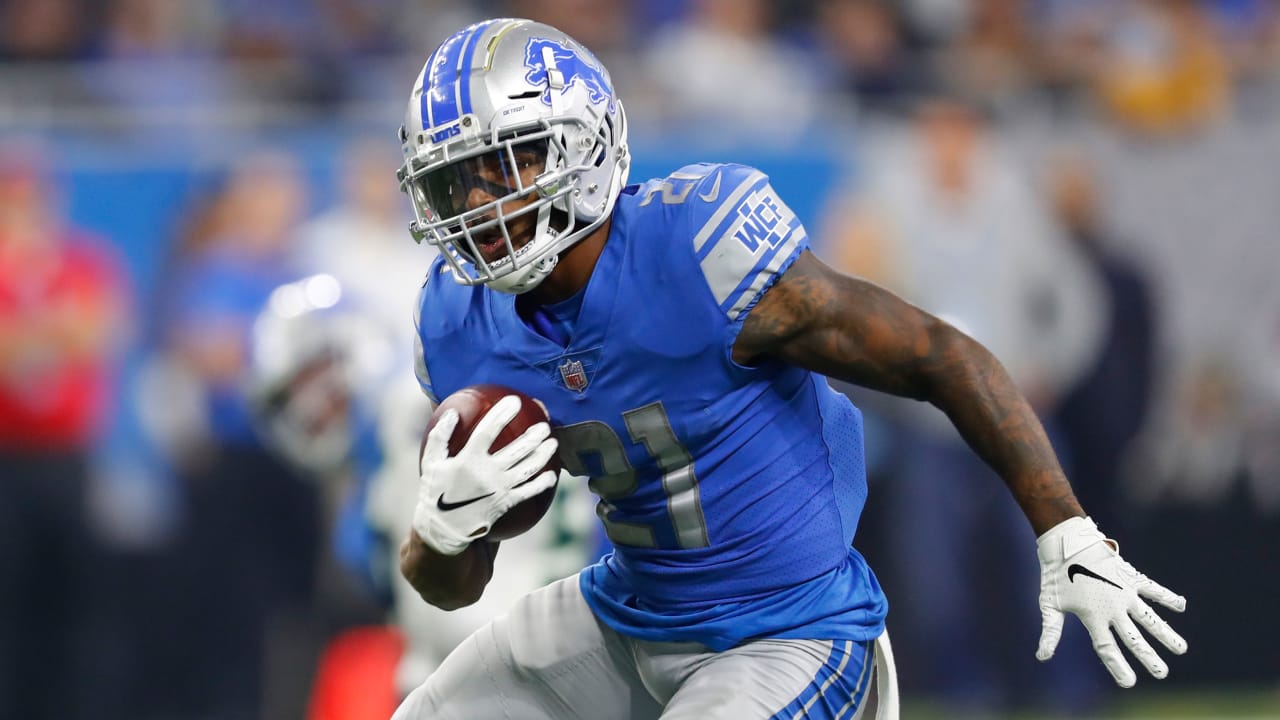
(1090, 187)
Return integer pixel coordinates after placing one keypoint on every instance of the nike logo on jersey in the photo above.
(447, 506)
(1073, 570)
(714, 192)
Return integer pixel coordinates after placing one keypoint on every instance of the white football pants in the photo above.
(550, 659)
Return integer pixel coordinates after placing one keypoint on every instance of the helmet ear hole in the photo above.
(605, 132)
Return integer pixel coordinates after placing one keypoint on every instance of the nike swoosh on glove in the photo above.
(460, 496)
(1081, 572)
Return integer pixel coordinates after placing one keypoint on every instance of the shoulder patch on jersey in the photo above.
(746, 240)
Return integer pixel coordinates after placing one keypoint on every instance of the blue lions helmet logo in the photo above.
(572, 65)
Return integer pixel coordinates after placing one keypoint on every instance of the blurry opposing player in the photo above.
(678, 331)
(335, 396)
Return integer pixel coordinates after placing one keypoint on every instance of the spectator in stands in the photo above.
(1164, 71)
(997, 58)
(62, 322)
(159, 73)
(865, 42)
(604, 24)
(44, 30)
(723, 62)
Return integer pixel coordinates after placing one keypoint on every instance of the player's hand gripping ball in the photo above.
(472, 403)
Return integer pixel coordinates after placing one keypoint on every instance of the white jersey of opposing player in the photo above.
(557, 546)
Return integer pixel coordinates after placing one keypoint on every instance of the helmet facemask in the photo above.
(492, 210)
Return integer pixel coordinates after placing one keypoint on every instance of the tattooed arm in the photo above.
(853, 330)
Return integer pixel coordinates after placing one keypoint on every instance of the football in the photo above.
(472, 403)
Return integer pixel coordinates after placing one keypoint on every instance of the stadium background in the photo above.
(138, 112)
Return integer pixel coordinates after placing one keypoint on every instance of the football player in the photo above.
(679, 331)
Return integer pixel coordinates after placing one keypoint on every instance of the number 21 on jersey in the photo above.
(650, 427)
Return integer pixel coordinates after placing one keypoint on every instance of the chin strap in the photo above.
(522, 280)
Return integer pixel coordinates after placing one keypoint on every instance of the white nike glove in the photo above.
(460, 497)
(1081, 571)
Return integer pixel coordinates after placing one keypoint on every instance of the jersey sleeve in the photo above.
(744, 236)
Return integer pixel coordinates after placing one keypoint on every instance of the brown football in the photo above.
(472, 402)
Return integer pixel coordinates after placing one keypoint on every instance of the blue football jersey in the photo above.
(731, 494)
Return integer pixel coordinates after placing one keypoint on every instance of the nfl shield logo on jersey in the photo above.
(574, 376)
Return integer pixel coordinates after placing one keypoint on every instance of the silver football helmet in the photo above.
(515, 148)
(312, 359)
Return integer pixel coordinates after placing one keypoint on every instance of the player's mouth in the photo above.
(493, 246)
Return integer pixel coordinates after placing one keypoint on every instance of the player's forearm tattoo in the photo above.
(993, 416)
(858, 332)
